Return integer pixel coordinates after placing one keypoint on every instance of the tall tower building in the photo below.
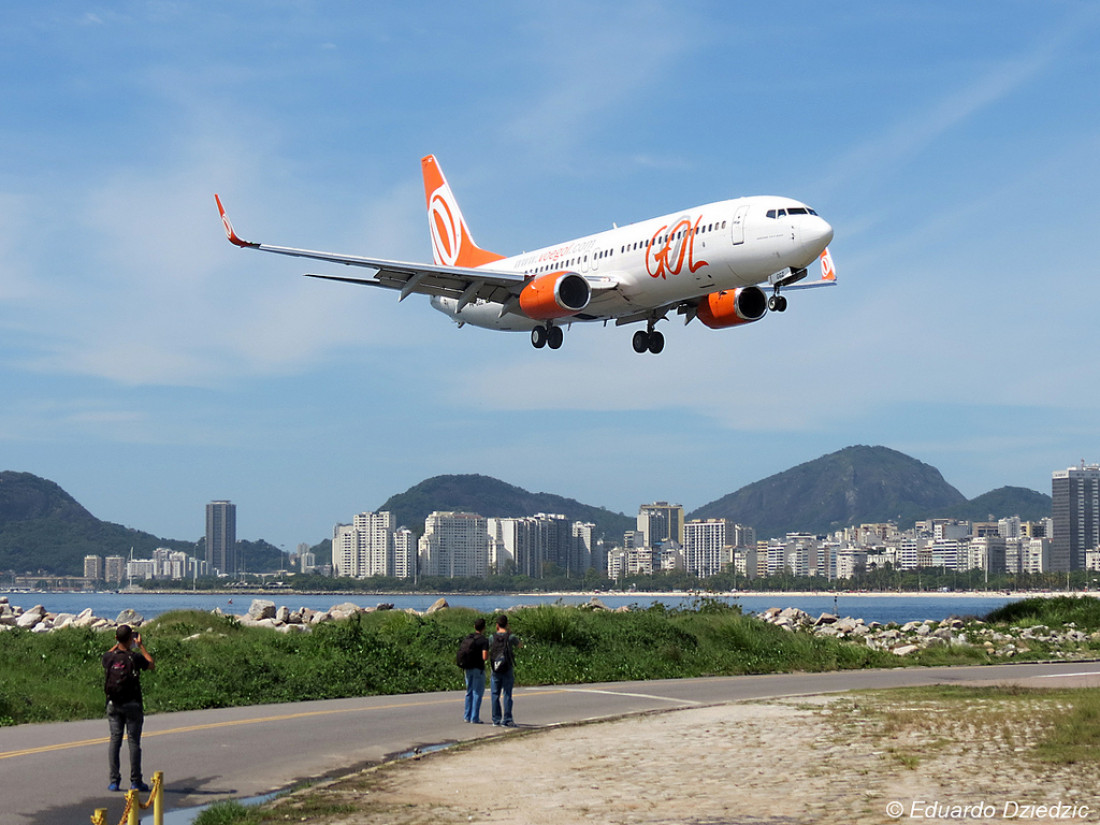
(221, 538)
(1076, 511)
(660, 522)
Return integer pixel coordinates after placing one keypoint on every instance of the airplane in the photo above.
(713, 262)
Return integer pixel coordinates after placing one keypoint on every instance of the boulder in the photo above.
(85, 618)
(905, 650)
(261, 609)
(29, 618)
(283, 615)
(342, 611)
(440, 604)
(131, 617)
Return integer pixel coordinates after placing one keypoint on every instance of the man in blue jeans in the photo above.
(122, 666)
(503, 677)
(474, 668)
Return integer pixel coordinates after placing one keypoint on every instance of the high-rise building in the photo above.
(1076, 511)
(704, 541)
(455, 545)
(660, 522)
(114, 569)
(221, 538)
(93, 567)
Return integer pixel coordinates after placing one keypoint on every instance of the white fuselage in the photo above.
(677, 257)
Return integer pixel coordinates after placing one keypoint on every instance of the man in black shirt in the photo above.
(122, 666)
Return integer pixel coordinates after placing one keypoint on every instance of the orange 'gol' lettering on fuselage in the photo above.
(667, 258)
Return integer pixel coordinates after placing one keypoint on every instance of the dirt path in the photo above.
(820, 760)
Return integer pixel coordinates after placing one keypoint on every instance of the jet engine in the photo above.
(555, 295)
(731, 307)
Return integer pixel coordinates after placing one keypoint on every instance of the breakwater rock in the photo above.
(912, 637)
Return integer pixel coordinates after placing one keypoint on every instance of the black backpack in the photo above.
(467, 657)
(121, 676)
(500, 652)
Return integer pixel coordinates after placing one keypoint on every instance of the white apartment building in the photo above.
(455, 545)
(704, 543)
(366, 547)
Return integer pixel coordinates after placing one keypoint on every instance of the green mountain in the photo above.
(492, 498)
(855, 485)
(44, 529)
(1003, 502)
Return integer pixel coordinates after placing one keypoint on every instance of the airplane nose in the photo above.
(816, 234)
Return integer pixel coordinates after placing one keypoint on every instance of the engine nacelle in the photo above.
(731, 307)
(555, 295)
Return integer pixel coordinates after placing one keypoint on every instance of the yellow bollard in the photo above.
(158, 798)
(99, 817)
(133, 808)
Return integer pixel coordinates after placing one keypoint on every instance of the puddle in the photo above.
(424, 749)
(186, 816)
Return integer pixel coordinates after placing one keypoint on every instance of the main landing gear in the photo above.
(547, 335)
(648, 339)
(777, 303)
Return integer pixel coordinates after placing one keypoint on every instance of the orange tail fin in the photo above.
(451, 241)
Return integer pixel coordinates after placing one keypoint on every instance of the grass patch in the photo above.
(1083, 611)
(209, 661)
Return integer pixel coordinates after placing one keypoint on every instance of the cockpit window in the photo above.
(793, 210)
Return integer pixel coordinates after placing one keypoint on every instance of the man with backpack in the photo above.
(503, 675)
(472, 653)
(122, 665)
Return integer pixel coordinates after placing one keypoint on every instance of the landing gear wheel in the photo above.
(777, 303)
(554, 337)
(656, 342)
(538, 337)
(641, 341)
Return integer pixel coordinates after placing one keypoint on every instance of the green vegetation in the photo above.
(206, 661)
(1053, 612)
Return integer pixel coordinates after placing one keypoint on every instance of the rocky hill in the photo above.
(492, 498)
(851, 486)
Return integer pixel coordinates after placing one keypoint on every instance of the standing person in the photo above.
(503, 673)
(472, 654)
(122, 666)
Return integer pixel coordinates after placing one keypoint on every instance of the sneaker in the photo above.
(113, 786)
(139, 786)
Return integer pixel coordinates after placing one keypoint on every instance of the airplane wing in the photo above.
(464, 283)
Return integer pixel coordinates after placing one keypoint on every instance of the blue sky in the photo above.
(148, 367)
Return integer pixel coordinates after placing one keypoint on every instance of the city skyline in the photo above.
(149, 367)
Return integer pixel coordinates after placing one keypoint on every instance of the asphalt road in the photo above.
(55, 774)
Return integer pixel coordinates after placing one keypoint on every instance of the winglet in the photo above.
(828, 271)
(229, 233)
